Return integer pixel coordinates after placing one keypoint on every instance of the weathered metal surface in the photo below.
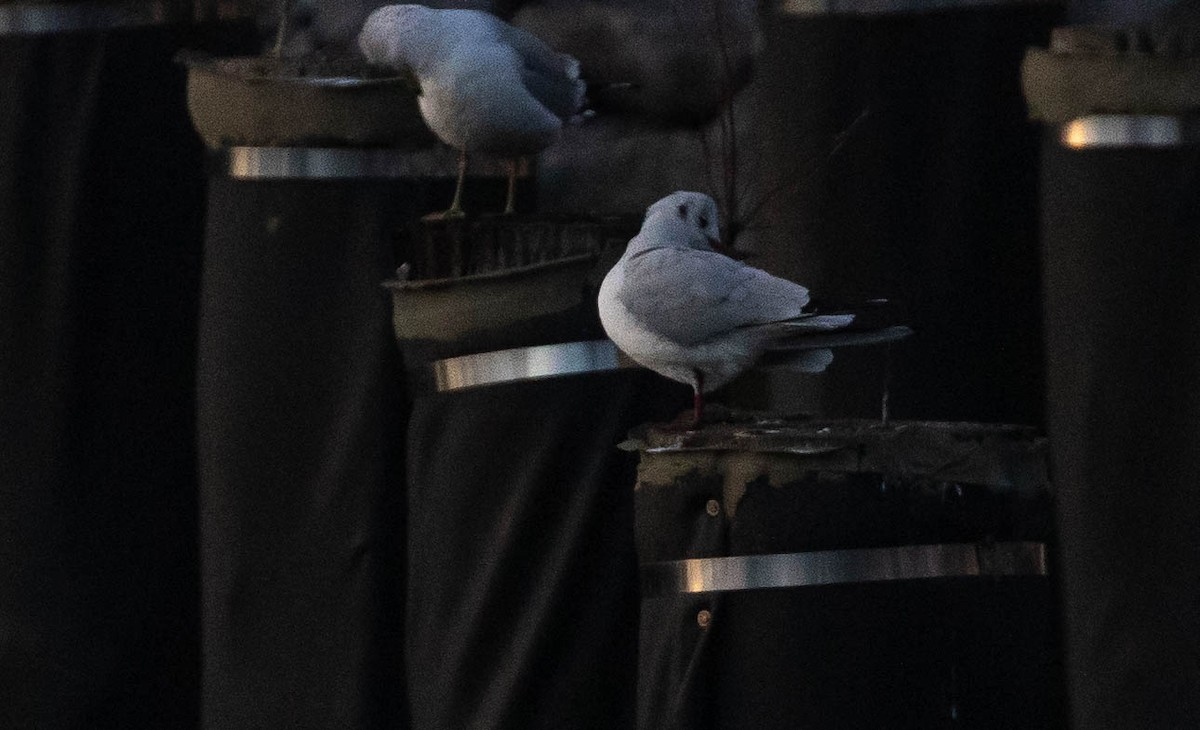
(449, 250)
(450, 309)
(1004, 457)
(837, 555)
(492, 275)
(240, 102)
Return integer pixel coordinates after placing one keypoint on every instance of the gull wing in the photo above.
(551, 77)
(690, 296)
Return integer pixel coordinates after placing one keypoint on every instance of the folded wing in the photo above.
(551, 77)
(690, 296)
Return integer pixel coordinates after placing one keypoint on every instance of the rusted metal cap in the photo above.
(261, 101)
(488, 275)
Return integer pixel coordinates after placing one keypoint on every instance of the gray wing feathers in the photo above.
(816, 323)
(692, 296)
(536, 54)
(551, 77)
(562, 96)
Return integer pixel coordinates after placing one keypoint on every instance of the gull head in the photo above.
(696, 211)
(399, 34)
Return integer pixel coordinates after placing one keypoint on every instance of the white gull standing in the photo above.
(486, 86)
(679, 307)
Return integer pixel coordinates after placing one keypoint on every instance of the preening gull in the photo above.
(486, 86)
(676, 305)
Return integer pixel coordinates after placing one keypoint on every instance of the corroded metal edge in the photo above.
(755, 432)
(1004, 456)
(515, 272)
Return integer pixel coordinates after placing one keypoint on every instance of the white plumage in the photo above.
(486, 86)
(677, 306)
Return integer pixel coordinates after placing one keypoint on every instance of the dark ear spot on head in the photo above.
(683, 211)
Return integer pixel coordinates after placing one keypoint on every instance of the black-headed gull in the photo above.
(676, 305)
(486, 86)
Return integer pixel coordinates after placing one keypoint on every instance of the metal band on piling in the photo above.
(1124, 130)
(527, 363)
(340, 163)
(835, 567)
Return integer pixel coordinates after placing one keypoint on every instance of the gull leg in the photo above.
(455, 210)
(884, 413)
(511, 200)
(682, 422)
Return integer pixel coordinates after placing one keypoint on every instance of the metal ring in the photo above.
(1123, 130)
(835, 567)
(341, 163)
(527, 363)
(889, 7)
(47, 18)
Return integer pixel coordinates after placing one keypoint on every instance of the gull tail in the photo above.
(845, 338)
(818, 323)
(870, 323)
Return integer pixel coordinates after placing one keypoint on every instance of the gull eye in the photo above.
(703, 221)
(683, 211)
